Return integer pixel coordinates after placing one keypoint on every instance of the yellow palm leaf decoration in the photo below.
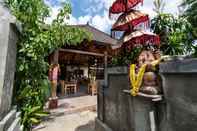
(136, 81)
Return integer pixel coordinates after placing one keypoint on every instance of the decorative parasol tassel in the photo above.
(147, 24)
(142, 2)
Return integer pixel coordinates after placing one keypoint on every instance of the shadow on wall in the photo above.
(87, 127)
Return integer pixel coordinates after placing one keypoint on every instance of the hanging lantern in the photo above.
(129, 20)
(140, 37)
(120, 6)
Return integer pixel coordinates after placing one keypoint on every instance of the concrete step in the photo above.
(15, 126)
(7, 120)
(11, 122)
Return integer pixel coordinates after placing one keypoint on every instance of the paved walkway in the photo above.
(75, 104)
(73, 114)
(83, 121)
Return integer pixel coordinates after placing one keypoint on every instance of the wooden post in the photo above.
(126, 5)
(88, 68)
(105, 69)
(56, 57)
(53, 101)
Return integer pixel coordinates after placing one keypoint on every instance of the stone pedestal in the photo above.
(143, 114)
(9, 118)
(53, 103)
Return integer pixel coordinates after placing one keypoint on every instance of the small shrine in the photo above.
(134, 24)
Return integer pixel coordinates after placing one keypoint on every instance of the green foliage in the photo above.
(175, 34)
(36, 42)
(32, 116)
(195, 51)
(191, 14)
(159, 6)
(126, 57)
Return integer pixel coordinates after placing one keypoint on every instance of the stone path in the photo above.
(73, 114)
(75, 104)
(83, 121)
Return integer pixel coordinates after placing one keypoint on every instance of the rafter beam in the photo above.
(82, 52)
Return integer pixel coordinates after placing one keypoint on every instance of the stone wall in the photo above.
(9, 117)
(177, 111)
(7, 66)
(119, 111)
(113, 104)
(180, 89)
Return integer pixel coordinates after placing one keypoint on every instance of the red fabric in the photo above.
(133, 23)
(120, 6)
(142, 40)
(154, 40)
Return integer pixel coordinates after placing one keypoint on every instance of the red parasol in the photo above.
(132, 18)
(120, 6)
(142, 38)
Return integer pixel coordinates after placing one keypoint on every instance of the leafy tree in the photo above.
(36, 42)
(191, 14)
(126, 56)
(159, 6)
(174, 32)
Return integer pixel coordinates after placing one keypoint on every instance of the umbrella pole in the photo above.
(126, 5)
(131, 28)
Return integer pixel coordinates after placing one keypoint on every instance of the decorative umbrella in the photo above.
(141, 37)
(120, 6)
(130, 19)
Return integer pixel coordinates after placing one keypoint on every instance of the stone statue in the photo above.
(150, 83)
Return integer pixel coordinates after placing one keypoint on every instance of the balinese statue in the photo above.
(150, 82)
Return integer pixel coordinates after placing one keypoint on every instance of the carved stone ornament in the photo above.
(150, 84)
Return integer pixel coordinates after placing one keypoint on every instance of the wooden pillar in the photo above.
(53, 101)
(105, 69)
(88, 67)
(66, 75)
(56, 57)
(88, 70)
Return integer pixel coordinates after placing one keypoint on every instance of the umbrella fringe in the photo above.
(119, 6)
(134, 23)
